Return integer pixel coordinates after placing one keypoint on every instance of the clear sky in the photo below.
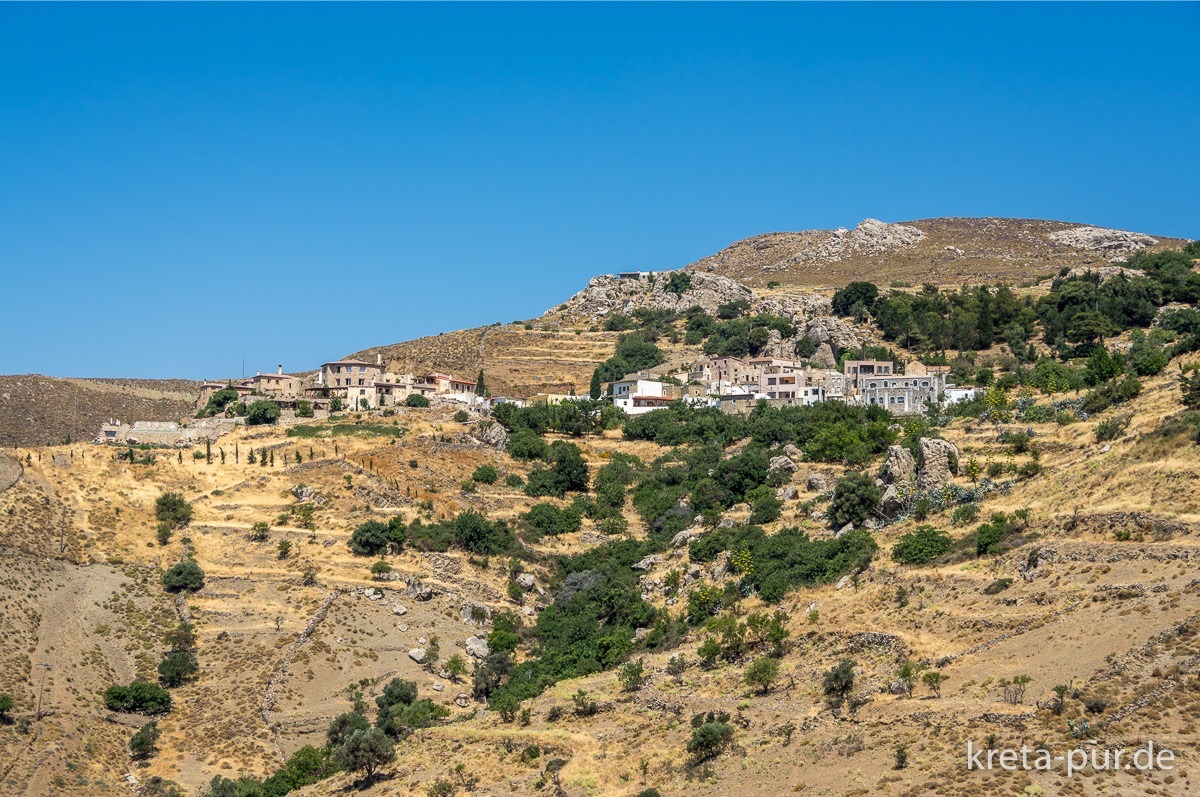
(184, 186)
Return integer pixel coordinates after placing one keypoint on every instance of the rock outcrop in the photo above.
(490, 434)
(870, 236)
(939, 461)
(890, 505)
(610, 293)
(900, 467)
(1118, 243)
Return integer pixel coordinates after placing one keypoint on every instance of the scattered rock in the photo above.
(463, 700)
(525, 580)
(683, 538)
(438, 686)
(417, 590)
(477, 647)
(418, 655)
(373, 594)
(399, 609)
(846, 529)
(816, 483)
(648, 563)
(790, 450)
(787, 493)
(443, 564)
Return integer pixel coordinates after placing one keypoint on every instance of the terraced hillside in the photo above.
(516, 361)
(944, 251)
(1098, 591)
(43, 410)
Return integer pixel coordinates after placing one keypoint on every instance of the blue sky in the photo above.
(184, 186)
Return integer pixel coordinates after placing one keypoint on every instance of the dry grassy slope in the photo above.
(991, 249)
(516, 361)
(1063, 626)
(43, 410)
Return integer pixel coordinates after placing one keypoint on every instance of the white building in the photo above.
(637, 396)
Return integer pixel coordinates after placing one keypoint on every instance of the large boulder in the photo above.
(816, 483)
(783, 464)
(891, 505)
(418, 655)
(824, 356)
(477, 647)
(490, 433)
(900, 467)
(939, 461)
(472, 612)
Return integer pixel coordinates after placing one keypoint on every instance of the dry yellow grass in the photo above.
(1099, 617)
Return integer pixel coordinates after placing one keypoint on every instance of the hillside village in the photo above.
(728, 383)
(803, 540)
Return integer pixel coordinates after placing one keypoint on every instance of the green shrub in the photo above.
(997, 586)
(142, 744)
(1108, 395)
(526, 444)
(766, 509)
(855, 498)
(709, 740)
(474, 532)
(304, 409)
(177, 667)
(370, 538)
(140, 697)
(172, 509)
(678, 283)
(921, 546)
(1111, 428)
(185, 576)
(415, 400)
(485, 474)
(547, 519)
(262, 412)
(965, 514)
